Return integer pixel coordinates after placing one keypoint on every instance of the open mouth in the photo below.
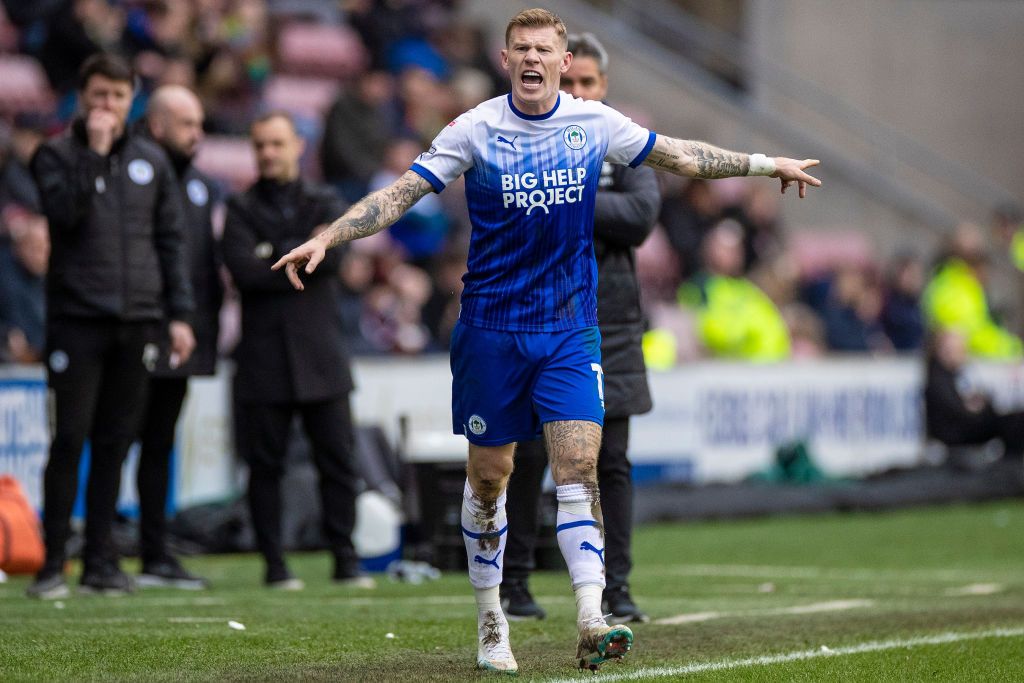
(531, 78)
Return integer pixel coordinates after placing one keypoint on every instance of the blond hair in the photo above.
(536, 18)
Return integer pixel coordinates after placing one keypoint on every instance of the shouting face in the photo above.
(535, 59)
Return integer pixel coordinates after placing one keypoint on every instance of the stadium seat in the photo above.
(307, 97)
(8, 33)
(228, 159)
(23, 86)
(817, 252)
(320, 50)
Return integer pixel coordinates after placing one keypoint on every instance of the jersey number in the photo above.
(596, 367)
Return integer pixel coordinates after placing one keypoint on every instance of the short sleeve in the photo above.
(449, 156)
(628, 143)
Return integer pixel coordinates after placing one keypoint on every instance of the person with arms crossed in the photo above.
(288, 360)
(526, 354)
(625, 210)
(117, 268)
(174, 119)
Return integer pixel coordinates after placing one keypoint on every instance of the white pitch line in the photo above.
(813, 608)
(976, 589)
(143, 601)
(198, 620)
(801, 655)
(810, 572)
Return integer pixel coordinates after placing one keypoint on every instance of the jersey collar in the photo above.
(534, 117)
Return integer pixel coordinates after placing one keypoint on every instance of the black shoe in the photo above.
(517, 602)
(619, 603)
(105, 579)
(48, 585)
(167, 572)
(349, 574)
(279, 578)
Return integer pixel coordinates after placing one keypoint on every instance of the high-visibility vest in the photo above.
(954, 298)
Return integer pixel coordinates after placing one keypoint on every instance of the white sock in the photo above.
(588, 603)
(580, 536)
(487, 600)
(484, 529)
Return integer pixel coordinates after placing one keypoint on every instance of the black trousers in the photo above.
(163, 406)
(97, 377)
(987, 425)
(261, 437)
(614, 477)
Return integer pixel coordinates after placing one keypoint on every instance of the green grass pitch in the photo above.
(930, 594)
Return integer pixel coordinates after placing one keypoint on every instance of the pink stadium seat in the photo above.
(320, 50)
(8, 33)
(819, 251)
(229, 159)
(309, 97)
(23, 86)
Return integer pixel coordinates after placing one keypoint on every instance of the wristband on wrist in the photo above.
(761, 165)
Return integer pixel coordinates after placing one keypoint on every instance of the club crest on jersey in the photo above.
(477, 425)
(574, 137)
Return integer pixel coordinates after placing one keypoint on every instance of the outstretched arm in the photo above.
(695, 159)
(368, 216)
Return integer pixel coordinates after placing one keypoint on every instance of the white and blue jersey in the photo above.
(531, 182)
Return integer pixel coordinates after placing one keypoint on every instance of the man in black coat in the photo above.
(117, 270)
(956, 415)
(625, 212)
(174, 119)
(291, 357)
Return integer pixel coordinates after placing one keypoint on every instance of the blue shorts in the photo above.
(506, 385)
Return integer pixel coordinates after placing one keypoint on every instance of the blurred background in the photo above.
(913, 107)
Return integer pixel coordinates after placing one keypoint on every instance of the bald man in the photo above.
(174, 120)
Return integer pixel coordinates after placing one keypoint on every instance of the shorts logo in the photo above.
(574, 137)
(477, 425)
(197, 192)
(140, 171)
(59, 361)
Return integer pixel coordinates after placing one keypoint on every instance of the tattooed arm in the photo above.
(368, 216)
(695, 159)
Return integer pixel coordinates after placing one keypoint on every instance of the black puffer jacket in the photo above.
(627, 206)
(116, 230)
(202, 253)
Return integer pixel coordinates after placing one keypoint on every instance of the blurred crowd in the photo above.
(369, 83)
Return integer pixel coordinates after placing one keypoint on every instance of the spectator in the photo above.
(23, 264)
(422, 231)
(174, 120)
(687, 215)
(902, 319)
(117, 267)
(1008, 266)
(16, 184)
(735, 318)
(290, 358)
(358, 128)
(442, 309)
(955, 297)
(955, 414)
(851, 312)
(77, 29)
